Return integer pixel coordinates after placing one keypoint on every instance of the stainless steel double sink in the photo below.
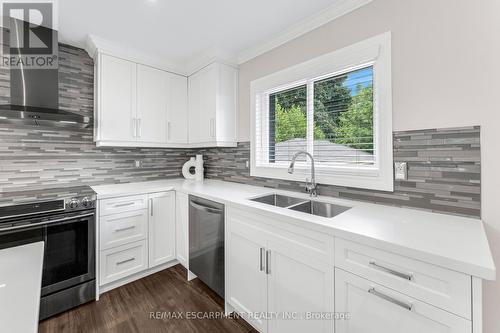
(313, 207)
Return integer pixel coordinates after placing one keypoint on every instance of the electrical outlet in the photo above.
(400, 171)
(247, 164)
(138, 164)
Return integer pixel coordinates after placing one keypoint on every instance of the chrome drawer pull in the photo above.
(408, 277)
(124, 229)
(268, 262)
(124, 261)
(404, 305)
(262, 251)
(124, 204)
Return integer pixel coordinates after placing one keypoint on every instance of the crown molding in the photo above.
(208, 56)
(95, 44)
(334, 11)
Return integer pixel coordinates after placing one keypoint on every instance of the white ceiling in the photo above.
(181, 30)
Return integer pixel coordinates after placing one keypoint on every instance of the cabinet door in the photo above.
(161, 228)
(177, 114)
(227, 103)
(151, 105)
(181, 228)
(116, 99)
(376, 309)
(299, 285)
(246, 279)
(202, 103)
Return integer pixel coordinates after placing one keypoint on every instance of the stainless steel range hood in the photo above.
(34, 98)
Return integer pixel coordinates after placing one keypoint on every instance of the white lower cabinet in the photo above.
(276, 281)
(161, 228)
(300, 289)
(246, 284)
(181, 227)
(376, 309)
(136, 234)
(284, 277)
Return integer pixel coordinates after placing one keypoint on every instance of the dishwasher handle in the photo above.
(205, 208)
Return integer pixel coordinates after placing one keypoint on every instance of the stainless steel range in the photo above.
(65, 220)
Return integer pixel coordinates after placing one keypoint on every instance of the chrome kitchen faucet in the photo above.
(311, 187)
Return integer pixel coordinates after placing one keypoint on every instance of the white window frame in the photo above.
(375, 52)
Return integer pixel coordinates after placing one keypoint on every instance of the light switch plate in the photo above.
(400, 171)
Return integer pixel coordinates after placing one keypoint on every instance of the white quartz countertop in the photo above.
(20, 287)
(453, 242)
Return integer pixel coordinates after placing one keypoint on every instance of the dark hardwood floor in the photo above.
(130, 307)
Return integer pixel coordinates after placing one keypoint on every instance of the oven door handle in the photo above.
(45, 223)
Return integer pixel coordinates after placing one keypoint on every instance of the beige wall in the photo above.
(446, 72)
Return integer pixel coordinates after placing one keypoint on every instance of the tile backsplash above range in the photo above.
(443, 164)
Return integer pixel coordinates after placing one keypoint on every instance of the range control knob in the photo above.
(86, 202)
(73, 203)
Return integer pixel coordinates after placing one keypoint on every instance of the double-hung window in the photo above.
(338, 108)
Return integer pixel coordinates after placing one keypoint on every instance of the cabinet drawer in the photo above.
(123, 228)
(122, 204)
(373, 308)
(446, 289)
(123, 261)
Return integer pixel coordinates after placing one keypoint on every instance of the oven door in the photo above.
(69, 257)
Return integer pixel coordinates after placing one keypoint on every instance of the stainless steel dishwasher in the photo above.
(206, 242)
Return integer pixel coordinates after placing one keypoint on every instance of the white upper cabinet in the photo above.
(152, 88)
(138, 105)
(142, 106)
(213, 106)
(116, 99)
(177, 109)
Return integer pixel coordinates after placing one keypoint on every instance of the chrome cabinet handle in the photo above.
(124, 229)
(407, 306)
(139, 127)
(151, 206)
(405, 276)
(212, 127)
(134, 127)
(125, 261)
(262, 251)
(268, 262)
(124, 204)
(168, 130)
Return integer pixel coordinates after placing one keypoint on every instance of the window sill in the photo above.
(372, 179)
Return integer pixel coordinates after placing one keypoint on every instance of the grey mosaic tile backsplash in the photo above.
(444, 164)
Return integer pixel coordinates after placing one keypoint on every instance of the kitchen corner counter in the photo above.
(453, 242)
